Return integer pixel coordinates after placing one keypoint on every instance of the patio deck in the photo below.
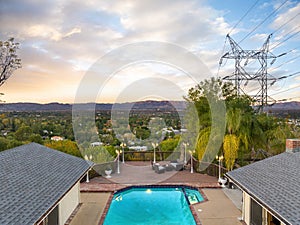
(218, 210)
(141, 173)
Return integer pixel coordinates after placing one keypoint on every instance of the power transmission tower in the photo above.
(259, 75)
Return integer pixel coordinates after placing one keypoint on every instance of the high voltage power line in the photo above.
(286, 62)
(280, 92)
(246, 13)
(262, 22)
(287, 22)
(239, 21)
(242, 58)
(286, 39)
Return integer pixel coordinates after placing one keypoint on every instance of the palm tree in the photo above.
(231, 140)
(239, 118)
(202, 142)
(230, 146)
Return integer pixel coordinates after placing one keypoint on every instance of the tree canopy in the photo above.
(247, 131)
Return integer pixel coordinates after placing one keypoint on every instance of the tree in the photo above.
(230, 146)
(208, 99)
(3, 143)
(246, 131)
(169, 144)
(36, 138)
(231, 140)
(236, 108)
(66, 146)
(142, 132)
(275, 131)
(9, 60)
(23, 133)
(202, 142)
(99, 154)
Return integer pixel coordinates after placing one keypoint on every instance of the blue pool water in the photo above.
(151, 206)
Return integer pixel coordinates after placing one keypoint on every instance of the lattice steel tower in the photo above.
(259, 75)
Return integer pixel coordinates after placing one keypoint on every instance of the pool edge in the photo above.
(105, 210)
(191, 206)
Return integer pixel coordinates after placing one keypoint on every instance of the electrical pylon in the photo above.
(259, 75)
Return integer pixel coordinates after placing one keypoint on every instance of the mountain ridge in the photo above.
(139, 105)
(56, 106)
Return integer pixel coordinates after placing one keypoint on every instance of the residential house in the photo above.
(57, 138)
(138, 148)
(96, 143)
(271, 188)
(39, 185)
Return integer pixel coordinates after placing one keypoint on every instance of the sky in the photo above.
(63, 41)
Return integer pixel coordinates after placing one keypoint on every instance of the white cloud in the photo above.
(288, 21)
(75, 30)
(43, 31)
(260, 37)
(61, 39)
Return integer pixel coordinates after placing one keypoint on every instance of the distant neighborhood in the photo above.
(51, 125)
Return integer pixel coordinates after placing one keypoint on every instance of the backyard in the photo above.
(223, 206)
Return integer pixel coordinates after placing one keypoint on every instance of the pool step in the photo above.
(192, 198)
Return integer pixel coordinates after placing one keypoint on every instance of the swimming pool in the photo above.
(151, 206)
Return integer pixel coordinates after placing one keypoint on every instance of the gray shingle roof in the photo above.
(275, 183)
(32, 179)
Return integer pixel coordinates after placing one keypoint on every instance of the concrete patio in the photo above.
(218, 210)
(93, 205)
(141, 173)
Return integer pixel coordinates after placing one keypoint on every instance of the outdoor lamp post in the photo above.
(87, 174)
(87, 177)
(154, 146)
(219, 158)
(123, 145)
(192, 168)
(185, 144)
(118, 160)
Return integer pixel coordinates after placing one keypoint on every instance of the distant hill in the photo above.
(139, 106)
(285, 106)
(285, 110)
(149, 105)
(34, 107)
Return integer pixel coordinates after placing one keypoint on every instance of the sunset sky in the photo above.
(61, 39)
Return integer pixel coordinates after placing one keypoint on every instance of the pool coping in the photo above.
(191, 206)
(71, 217)
(115, 187)
(105, 210)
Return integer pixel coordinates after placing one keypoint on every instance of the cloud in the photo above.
(61, 39)
(260, 37)
(48, 32)
(43, 32)
(287, 22)
(181, 22)
(75, 30)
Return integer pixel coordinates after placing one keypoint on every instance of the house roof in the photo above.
(33, 179)
(274, 182)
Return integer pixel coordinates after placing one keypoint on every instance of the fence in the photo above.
(101, 167)
(200, 167)
(208, 168)
(149, 155)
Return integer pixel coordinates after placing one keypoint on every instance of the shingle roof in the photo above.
(32, 179)
(275, 183)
